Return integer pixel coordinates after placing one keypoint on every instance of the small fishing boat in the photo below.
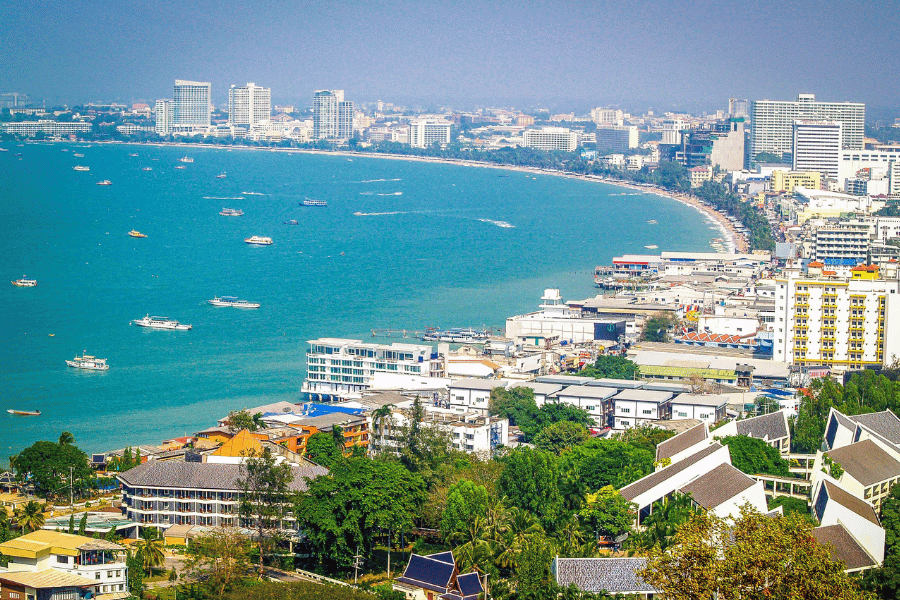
(137, 234)
(24, 282)
(180, 167)
(221, 175)
(651, 247)
(77, 155)
(291, 222)
(257, 240)
(24, 413)
(147, 168)
(185, 159)
(133, 154)
(80, 168)
(104, 182)
(231, 212)
(89, 363)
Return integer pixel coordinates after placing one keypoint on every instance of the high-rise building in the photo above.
(845, 323)
(817, 147)
(738, 107)
(332, 116)
(720, 143)
(772, 123)
(551, 138)
(607, 116)
(190, 103)
(425, 132)
(249, 105)
(616, 138)
(164, 117)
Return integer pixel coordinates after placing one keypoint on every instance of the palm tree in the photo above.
(659, 528)
(380, 417)
(258, 422)
(31, 516)
(66, 439)
(150, 549)
(337, 434)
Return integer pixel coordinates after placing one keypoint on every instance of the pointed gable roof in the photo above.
(240, 445)
(427, 572)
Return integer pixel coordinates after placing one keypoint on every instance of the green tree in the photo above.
(265, 486)
(134, 567)
(238, 420)
(610, 367)
(72, 523)
(533, 568)
(47, 465)
(607, 513)
(149, 548)
(322, 450)
(219, 558)
(382, 419)
(530, 481)
(558, 436)
(658, 530)
(66, 438)
(657, 326)
(885, 580)
(755, 557)
(465, 501)
(30, 516)
(755, 457)
(82, 524)
(598, 463)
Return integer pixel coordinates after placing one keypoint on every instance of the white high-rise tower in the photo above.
(249, 105)
(190, 103)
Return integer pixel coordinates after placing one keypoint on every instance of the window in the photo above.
(626, 410)
(97, 575)
(682, 414)
(62, 559)
(704, 415)
(110, 573)
(647, 411)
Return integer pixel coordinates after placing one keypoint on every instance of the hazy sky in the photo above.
(563, 55)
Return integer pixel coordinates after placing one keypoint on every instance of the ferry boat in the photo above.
(104, 182)
(456, 335)
(90, 363)
(160, 323)
(291, 222)
(311, 202)
(80, 168)
(24, 282)
(221, 175)
(137, 234)
(257, 240)
(24, 413)
(185, 159)
(231, 212)
(147, 169)
(233, 302)
(4, 149)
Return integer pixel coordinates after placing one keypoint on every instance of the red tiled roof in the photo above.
(696, 336)
(868, 268)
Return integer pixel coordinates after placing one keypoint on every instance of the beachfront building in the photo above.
(817, 147)
(616, 138)
(720, 143)
(165, 116)
(249, 105)
(190, 104)
(786, 181)
(425, 132)
(340, 368)
(772, 121)
(844, 323)
(332, 116)
(556, 321)
(46, 127)
(49, 565)
(166, 494)
(551, 138)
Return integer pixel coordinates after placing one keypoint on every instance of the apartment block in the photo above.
(551, 138)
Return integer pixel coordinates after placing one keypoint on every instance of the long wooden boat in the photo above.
(24, 413)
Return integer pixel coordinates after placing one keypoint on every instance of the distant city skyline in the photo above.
(559, 55)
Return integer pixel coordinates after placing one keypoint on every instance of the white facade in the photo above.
(597, 401)
(709, 409)
(164, 116)
(773, 120)
(633, 408)
(844, 323)
(190, 102)
(817, 147)
(30, 128)
(616, 138)
(425, 132)
(342, 366)
(860, 519)
(607, 116)
(467, 395)
(249, 105)
(556, 320)
(332, 116)
(470, 432)
(881, 165)
(551, 138)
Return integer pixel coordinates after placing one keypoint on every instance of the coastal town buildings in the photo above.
(817, 147)
(332, 116)
(191, 103)
(551, 138)
(616, 138)
(249, 105)
(425, 132)
(46, 127)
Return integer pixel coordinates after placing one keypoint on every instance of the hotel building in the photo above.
(342, 367)
(249, 105)
(31, 128)
(190, 104)
(424, 132)
(616, 138)
(164, 117)
(845, 323)
(772, 122)
(551, 138)
(817, 147)
(332, 116)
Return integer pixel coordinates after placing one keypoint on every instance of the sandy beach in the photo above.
(731, 239)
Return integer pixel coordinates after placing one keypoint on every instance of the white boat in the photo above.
(104, 182)
(180, 167)
(185, 159)
(160, 323)
(133, 154)
(257, 240)
(221, 175)
(148, 168)
(80, 168)
(231, 212)
(233, 302)
(77, 155)
(651, 247)
(312, 202)
(91, 363)
(24, 282)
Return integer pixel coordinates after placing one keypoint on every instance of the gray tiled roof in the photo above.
(849, 501)
(885, 423)
(714, 400)
(203, 476)
(630, 492)
(644, 396)
(615, 575)
(866, 462)
(721, 484)
(476, 384)
(538, 387)
(681, 442)
(773, 425)
(843, 547)
(586, 391)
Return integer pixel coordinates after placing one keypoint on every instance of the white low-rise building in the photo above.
(834, 505)
(473, 394)
(709, 408)
(638, 407)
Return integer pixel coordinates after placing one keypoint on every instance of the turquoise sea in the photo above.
(430, 249)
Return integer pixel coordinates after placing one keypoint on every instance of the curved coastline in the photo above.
(732, 240)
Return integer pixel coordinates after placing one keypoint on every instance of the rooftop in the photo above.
(50, 578)
(681, 442)
(843, 547)
(772, 426)
(43, 542)
(713, 400)
(884, 423)
(587, 391)
(477, 384)
(614, 575)
(866, 462)
(204, 476)
(632, 491)
(719, 485)
(653, 396)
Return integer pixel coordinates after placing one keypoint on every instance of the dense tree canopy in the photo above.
(47, 465)
(610, 367)
(519, 406)
(530, 481)
(598, 463)
(754, 457)
(561, 435)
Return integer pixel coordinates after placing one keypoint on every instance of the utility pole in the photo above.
(71, 497)
(356, 565)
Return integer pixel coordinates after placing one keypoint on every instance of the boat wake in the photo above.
(377, 180)
(503, 224)
(378, 214)
(367, 193)
(253, 193)
(223, 198)
(391, 194)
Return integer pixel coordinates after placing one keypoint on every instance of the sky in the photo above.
(562, 55)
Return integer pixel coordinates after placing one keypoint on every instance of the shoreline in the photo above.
(731, 239)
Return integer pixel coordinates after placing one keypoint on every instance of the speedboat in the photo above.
(257, 240)
(221, 175)
(185, 159)
(104, 182)
(77, 155)
(160, 323)
(179, 167)
(24, 282)
(233, 302)
(147, 169)
(292, 222)
(311, 202)
(90, 363)
(24, 413)
(231, 212)
(80, 168)
(137, 234)
(133, 154)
